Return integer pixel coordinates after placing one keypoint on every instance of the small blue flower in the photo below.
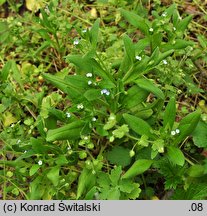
(105, 91)
(76, 42)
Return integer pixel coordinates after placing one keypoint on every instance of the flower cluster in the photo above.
(105, 91)
(89, 75)
(80, 106)
(174, 132)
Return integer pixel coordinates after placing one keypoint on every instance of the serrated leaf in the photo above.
(103, 180)
(53, 175)
(113, 194)
(126, 186)
(148, 85)
(119, 156)
(121, 131)
(115, 175)
(135, 192)
(111, 122)
(137, 168)
(176, 156)
(33, 169)
(138, 125)
(158, 145)
(170, 113)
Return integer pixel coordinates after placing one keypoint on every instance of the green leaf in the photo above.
(5, 70)
(85, 182)
(158, 145)
(148, 85)
(142, 44)
(128, 57)
(53, 175)
(92, 94)
(56, 81)
(36, 188)
(137, 168)
(135, 192)
(196, 171)
(129, 48)
(182, 25)
(193, 192)
(115, 175)
(33, 169)
(170, 113)
(61, 160)
(126, 186)
(138, 125)
(37, 145)
(91, 193)
(88, 64)
(135, 96)
(16, 74)
(176, 155)
(94, 33)
(4, 32)
(2, 2)
(136, 21)
(70, 131)
(121, 131)
(119, 156)
(76, 81)
(187, 126)
(113, 194)
(177, 44)
(200, 135)
(111, 122)
(103, 180)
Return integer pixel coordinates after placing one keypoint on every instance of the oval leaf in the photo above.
(138, 168)
(138, 125)
(70, 131)
(150, 86)
(170, 113)
(176, 156)
(53, 175)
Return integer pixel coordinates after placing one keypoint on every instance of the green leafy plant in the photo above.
(98, 130)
